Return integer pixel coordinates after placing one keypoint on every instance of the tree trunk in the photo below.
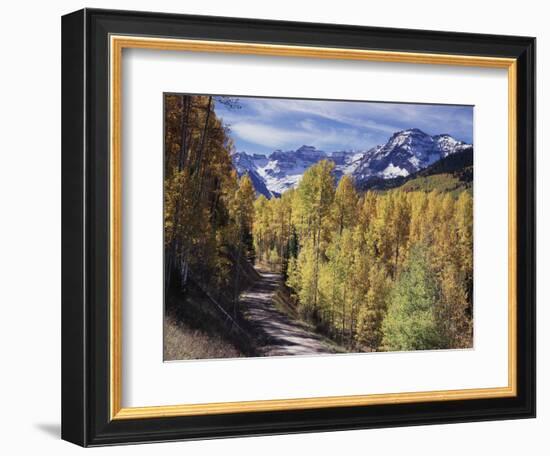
(181, 160)
(396, 256)
(317, 251)
(184, 131)
(200, 167)
(168, 268)
(344, 318)
(237, 274)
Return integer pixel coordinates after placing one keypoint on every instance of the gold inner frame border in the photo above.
(116, 46)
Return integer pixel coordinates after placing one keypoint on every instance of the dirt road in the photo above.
(278, 333)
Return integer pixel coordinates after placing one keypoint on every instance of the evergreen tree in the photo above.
(411, 320)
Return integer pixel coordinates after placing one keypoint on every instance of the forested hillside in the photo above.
(208, 215)
(453, 173)
(376, 271)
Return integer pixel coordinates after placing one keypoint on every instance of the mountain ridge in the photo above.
(406, 152)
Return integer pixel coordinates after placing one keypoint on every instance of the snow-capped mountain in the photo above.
(250, 164)
(405, 152)
(284, 169)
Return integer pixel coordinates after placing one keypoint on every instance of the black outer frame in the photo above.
(85, 227)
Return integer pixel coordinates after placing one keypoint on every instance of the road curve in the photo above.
(278, 333)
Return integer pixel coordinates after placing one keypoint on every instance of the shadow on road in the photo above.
(280, 334)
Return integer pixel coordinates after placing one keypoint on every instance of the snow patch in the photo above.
(404, 153)
(394, 171)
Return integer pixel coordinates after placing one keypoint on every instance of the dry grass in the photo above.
(183, 342)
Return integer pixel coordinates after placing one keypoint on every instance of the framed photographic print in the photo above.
(277, 227)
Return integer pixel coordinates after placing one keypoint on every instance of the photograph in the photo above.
(316, 227)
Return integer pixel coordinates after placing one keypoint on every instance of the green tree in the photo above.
(411, 321)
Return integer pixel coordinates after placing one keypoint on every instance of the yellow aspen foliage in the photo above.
(344, 207)
(373, 310)
(452, 311)
(349, 273)
(464, 217)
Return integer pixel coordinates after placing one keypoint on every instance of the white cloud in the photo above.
(349, 113)
(311, 134)
(267, 135)
(332, 125)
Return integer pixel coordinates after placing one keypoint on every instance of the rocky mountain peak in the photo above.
(405, 152)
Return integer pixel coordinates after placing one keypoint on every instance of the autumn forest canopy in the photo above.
(381, 270)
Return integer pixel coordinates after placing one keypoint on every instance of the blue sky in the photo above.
(262, 125)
